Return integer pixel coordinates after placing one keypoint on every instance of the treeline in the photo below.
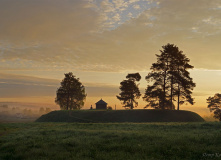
(21, 112)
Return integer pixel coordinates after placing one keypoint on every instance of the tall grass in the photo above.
(110, 141)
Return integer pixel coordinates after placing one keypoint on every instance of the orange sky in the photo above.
(101, 41)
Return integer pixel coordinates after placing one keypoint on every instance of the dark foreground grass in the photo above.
(110, 141)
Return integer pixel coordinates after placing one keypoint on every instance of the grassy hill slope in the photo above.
(97, 116)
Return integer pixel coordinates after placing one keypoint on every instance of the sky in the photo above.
(101, 41)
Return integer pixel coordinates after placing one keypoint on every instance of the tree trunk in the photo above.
(171, 93)
(131, 104)
(164, 90)
(178, 102)
(178, 94)
(67, 102)
(68, 99)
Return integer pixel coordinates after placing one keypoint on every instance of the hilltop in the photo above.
(105, 116)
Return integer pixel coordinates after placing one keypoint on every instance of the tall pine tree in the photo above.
(170, 79)
(130, 91)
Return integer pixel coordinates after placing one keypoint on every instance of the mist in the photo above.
(23, 112)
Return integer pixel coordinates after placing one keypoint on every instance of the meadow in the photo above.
(77, 141)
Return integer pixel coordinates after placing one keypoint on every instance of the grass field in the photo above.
(110, 141)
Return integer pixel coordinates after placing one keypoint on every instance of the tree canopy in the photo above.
(130, 91)
(170, 80)
(71, 94)
(214, 104)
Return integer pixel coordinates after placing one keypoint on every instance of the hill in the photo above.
(103, 116)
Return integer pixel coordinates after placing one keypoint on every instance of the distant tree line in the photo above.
(20, 110)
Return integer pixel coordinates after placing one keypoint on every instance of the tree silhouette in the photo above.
(71, 94)
(214, 104)
(109, 108)
(183, 83)
(41, 110)
(170, 79)
(130, 91)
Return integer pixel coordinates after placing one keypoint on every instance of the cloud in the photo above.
(45, 20)
(136, 6)
(130, 15)
(15, 86)
(133, 1)
(101, 90)
(56, 35)
(116, 17)
(120, 4)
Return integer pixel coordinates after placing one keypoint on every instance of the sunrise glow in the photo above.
(101, 41)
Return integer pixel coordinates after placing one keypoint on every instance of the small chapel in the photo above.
(101, 105)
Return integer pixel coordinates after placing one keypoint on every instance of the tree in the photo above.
(109, 108)
(71, 94)
(47, 110)
(4, 106)
(182, 81)
(214, 104)
(41, 110)
(170, 79)
(155, 98)
(130, 91)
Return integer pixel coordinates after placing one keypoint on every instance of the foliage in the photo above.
(41, 110)
(214, 104)
(33, 141)
(109, 108)
(130, 91)
(71, 94)
(170, 79)
(5, 106)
